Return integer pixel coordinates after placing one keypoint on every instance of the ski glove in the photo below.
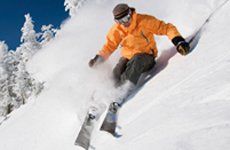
(181, 45)
(96, 60)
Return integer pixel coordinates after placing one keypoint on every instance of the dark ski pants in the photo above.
(132, 69)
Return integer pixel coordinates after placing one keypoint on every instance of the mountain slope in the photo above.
(185, 106)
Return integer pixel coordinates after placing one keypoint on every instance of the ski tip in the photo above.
(108, 131)
(81, 146)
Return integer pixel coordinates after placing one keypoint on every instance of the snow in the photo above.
(185, 106)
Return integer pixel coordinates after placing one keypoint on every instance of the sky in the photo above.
(43, 12)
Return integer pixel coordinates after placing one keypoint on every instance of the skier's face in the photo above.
(126, 20)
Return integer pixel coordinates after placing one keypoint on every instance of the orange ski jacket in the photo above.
(138, 37)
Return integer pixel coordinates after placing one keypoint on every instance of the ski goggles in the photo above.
(124, 19)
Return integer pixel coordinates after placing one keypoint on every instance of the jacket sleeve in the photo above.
(159, 27)
(113, 40)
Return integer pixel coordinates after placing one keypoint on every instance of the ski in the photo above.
(84, 136)
(110, 122)
(93, 114)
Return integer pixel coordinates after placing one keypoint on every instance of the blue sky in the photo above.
(43, 12)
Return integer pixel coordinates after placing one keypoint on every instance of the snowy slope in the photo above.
(186, 106)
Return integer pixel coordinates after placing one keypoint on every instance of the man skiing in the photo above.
(134, 33)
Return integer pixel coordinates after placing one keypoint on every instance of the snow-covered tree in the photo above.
(73, 5)
(20, 84)
(25, 83)
(30, 44)
(3, 49)
(12, 67)
(16, 83)
(28, 33)
(48, 33)
(4, 94)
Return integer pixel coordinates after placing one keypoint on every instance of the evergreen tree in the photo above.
(4, 94)
(3, 50)
(16, 84)
(73, 5)
(20, 84)
(30, 44)
(12, 67)
(48, 33)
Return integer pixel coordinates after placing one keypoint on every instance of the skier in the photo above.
(134, 33)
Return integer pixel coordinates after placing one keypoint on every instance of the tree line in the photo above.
(16, 83)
